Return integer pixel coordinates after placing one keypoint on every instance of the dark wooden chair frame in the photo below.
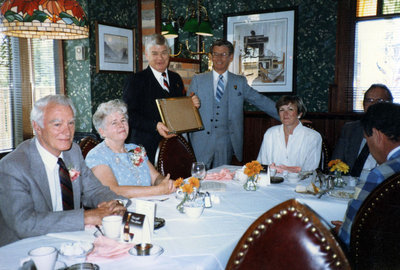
(162, 154)
(375, 233)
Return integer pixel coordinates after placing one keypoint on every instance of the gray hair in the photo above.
(155, 39)
(106, 109)
(37, 113)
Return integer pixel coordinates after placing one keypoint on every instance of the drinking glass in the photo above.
(198, 170)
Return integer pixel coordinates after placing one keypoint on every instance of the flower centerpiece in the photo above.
(252, 170)
(189, 189)
(137, 155)
(338, 167)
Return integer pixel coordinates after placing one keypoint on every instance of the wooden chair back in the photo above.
(87, 144)
(375, 233)
(175, 156)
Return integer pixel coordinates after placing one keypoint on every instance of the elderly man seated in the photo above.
(45, 181)
(382, 131)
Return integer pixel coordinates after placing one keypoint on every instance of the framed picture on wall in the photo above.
(115, 48)
(264, 48)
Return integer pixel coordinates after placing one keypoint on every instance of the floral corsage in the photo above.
(73, 174)
(137, 155)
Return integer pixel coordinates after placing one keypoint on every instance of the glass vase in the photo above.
(187, 199)
(338, 179)
(251, 183)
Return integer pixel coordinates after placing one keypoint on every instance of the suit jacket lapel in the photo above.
(39, 174)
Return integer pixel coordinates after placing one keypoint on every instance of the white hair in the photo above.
(155, 39)
(106, 109)
(37, 113)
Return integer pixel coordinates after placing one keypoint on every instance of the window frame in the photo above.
(341, 91)
(25, 53)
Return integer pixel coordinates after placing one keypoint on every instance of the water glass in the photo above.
(198, 170)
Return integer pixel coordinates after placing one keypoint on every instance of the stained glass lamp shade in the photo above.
(45, 19)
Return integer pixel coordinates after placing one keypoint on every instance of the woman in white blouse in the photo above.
(291, 143)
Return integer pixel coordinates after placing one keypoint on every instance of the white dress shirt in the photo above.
(51, 165)
(303, 148)
(160, 78)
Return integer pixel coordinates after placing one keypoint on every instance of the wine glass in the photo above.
(198, 170)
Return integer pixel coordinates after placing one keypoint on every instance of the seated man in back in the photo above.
(45, 181)
(381, 127)
(351, 147)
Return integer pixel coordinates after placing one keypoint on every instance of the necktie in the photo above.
(66, 186)
(359, 163)
(220, 88)
(166, 86)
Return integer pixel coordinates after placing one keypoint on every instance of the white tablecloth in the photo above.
(204, 243)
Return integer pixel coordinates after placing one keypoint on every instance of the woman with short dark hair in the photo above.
(291, 143)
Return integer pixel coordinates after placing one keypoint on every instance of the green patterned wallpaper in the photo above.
(316, 37)
(86, 87)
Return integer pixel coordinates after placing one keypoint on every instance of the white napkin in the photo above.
(264, 179)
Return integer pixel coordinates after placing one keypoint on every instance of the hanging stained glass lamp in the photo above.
(45, 19)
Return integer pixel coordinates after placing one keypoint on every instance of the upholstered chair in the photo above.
(288, 236)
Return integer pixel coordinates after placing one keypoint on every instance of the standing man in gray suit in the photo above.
(352, 147)
(222, 95)
(45, 181)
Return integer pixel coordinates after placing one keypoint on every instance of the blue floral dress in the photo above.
(122, 164)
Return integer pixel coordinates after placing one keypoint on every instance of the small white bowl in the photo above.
(193, 211)
(293, 178)
(74, 252)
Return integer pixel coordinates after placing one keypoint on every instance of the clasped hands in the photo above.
(164, 131)
(95, 216)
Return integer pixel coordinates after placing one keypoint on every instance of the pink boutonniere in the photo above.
(73, 174)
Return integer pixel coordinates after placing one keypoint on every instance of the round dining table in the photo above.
(202, 243)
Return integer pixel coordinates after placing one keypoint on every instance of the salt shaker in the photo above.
(207, 200)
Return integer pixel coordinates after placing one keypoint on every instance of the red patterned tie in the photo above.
(66, 186)
(165, 81)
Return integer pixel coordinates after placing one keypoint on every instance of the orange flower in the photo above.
(194, 182)
(178, 182)
(188, 188)
(252, 168)
(333, 162)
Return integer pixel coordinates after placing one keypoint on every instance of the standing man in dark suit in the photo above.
(141, 91)
(351, 147)
(222, 95)
(45, 181)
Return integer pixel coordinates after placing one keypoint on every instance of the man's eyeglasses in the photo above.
(215, 54)
(377, 100)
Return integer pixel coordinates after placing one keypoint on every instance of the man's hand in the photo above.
(195, 100)
(95, 216)
(164, 131)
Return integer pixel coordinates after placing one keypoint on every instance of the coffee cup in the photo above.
(44, 258)
(112, 226)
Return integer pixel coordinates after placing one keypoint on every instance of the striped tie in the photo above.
(220, 88)
(66, 186)
(166, 86)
